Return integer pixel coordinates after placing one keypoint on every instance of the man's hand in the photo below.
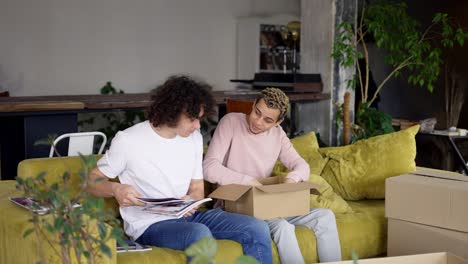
(255, 182)
(289, 180)
(126, 195)
(191, 212)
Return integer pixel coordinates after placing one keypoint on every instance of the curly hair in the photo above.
(276, 99)
(178, 95)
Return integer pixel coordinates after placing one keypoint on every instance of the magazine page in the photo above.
(30, 204)
(154, 201)
(33, 205)
(177, 210)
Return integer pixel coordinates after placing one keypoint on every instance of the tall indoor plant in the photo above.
(410, 49)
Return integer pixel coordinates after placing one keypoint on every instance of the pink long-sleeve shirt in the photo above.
(236, 155)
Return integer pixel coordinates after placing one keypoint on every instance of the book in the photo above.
(175, 208)
(33, 205)
(131, 246)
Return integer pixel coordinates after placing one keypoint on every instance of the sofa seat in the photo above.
(14, 221)
(364, 231)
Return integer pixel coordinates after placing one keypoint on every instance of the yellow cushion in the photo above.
(359, 171)
(327, 198)
(307, 147)
(305, 143)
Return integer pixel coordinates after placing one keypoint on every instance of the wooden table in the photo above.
(26, 119)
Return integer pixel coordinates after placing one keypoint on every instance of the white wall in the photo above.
(52, 47)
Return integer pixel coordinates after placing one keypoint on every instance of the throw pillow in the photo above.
(358, 171)
(307, 147)
(327, 198)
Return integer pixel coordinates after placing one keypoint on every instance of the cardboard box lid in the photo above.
(429, 197)
(232, 192)
(432, 258)
(289, 187)
(442, 175)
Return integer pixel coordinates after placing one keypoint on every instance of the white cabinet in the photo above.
(260, 46)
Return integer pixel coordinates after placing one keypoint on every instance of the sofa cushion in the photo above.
(358, 171)
(307, 147)
(327, 198)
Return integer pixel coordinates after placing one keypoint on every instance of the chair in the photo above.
(82, 142)
(239, 106)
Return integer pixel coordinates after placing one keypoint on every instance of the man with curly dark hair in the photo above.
(245, 148)
(162, 158)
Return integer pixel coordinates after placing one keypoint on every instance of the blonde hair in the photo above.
(276, 99)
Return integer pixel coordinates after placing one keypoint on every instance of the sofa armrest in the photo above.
(14, 221)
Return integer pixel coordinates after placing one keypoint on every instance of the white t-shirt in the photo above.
(157, 167)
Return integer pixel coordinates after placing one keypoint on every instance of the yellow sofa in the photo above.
(362, 225)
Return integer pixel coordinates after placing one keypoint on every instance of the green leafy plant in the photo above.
(204, 251)
(409, 48)
(79, 233)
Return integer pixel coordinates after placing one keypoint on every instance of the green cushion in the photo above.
(359, 171)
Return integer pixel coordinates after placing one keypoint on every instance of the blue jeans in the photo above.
(251, 233)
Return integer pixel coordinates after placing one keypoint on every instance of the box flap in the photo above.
(289, 187)
(230, 192)
(442, 174)
(271, 180)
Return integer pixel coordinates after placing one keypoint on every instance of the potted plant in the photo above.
(410, 49)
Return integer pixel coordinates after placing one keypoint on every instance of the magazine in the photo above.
(132, 246)
(33, 205)
(175, 208)
(155, 201)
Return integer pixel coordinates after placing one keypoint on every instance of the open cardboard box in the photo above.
(433, 258)
(271, 200)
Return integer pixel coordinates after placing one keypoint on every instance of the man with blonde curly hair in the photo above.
(245, 148)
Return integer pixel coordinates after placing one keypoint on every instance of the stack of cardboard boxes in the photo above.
(427, 212)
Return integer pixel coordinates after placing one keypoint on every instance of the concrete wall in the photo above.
(52, 47)
(319, 19)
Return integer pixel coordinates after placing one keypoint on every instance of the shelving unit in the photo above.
(260, 47)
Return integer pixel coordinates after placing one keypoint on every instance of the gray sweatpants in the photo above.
(321, 221)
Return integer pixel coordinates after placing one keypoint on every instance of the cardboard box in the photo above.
(434, 258)
(406, 238)
(272, 199)
(429, 197)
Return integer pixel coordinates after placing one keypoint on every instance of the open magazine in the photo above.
(171, 206)
(33, 205)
